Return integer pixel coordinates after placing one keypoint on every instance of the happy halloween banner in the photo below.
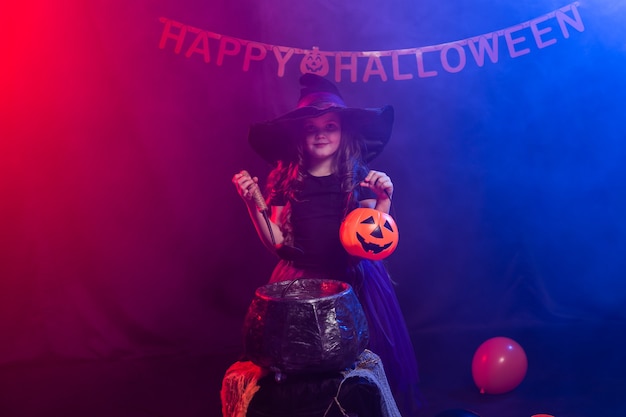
(399, 64)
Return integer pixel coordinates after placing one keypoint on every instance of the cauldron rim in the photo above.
(345, 288)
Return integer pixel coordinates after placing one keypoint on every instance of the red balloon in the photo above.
(499, 365)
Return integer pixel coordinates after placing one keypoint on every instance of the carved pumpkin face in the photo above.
(369, 233)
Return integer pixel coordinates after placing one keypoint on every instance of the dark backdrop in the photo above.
(122, 236)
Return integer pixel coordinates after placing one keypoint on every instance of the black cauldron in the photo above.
(305, 326)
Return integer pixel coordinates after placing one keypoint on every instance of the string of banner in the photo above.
(397, 64)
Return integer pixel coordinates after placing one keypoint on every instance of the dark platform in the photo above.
(574, 370)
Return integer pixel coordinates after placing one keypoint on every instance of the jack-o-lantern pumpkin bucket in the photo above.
(369, 233)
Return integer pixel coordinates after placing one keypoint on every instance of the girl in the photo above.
(320, 151)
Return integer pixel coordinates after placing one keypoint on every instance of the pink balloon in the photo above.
(499, 365)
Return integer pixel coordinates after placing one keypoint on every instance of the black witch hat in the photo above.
(275, 140)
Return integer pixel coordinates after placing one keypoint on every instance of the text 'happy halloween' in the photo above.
(398, 64)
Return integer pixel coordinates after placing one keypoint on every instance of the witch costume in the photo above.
(316, 215)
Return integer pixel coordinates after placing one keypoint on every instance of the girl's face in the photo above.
(322, 136)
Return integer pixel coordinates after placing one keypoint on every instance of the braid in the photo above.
(283, 183)
(350, 167)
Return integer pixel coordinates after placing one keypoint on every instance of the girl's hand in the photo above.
(380, 183)
(245, 185)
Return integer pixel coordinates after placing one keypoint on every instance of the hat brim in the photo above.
(274, 140)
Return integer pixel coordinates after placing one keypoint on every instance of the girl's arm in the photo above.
(383, 204)
(261, 226)
(247, 186)
(381, 184)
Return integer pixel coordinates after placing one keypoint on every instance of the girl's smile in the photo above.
(322, 136)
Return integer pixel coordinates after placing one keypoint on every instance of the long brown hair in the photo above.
(285, 180)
